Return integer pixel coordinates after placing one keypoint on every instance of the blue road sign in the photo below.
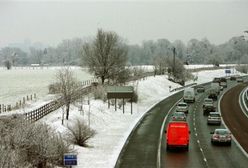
(227, 71)
(70, 159)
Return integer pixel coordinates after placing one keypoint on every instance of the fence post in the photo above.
(35, 96)
(31, 97)
(9, 108)
(0, 108)
(27, 98)
(23, 100)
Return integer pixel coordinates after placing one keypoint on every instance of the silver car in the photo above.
(221, 136)
(214, 118)
(178, 116)
(182, 107)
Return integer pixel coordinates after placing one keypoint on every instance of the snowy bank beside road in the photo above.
(112, 126)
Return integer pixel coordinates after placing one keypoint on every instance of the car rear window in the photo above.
(215, 115)
(222, 132)
(208, 101)
(182, 105)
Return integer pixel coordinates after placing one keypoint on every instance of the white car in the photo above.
(182, 107)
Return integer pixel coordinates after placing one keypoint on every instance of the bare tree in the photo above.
(105, 55)
(68, 87)
(180, 74)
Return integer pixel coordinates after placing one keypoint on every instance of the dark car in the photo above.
(233, 78)
(240, 79)
(208, 106)
(221, 136)
(200, 89)
(223, 82)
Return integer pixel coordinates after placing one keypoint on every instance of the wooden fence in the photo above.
(37, 114)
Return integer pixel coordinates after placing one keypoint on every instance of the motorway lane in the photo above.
(180, 158)
(140, 151)
(201, 152)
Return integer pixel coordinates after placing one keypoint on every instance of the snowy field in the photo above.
(19, 82)
(113, 127)
(22, 81)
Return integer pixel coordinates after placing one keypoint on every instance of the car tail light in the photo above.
(216, 136)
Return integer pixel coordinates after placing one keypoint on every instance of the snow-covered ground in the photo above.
(22, 81)
(113, 127)
(206, 66)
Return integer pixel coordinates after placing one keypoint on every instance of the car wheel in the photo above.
(167, 147)
(187, 148)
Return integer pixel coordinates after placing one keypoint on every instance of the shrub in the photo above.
(100, 93)
(80, 133)
(135, 97)
(7, 64)
(31, 145)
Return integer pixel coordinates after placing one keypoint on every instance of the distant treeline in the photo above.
(69, 52)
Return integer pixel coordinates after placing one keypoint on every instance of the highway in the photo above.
(140, 150)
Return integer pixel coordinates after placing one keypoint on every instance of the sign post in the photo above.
(228, 71)
(70, 159)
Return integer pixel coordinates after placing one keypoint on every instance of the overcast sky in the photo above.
(51, 21)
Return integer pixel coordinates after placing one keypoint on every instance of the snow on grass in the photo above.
(20, 82)
(112, 127)
(207, 76)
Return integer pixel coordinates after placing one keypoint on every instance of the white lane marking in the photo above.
(205, 159)
(195, 134)
(198, 141)
(201, 150)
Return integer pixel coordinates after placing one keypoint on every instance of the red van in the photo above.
(177, 135)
